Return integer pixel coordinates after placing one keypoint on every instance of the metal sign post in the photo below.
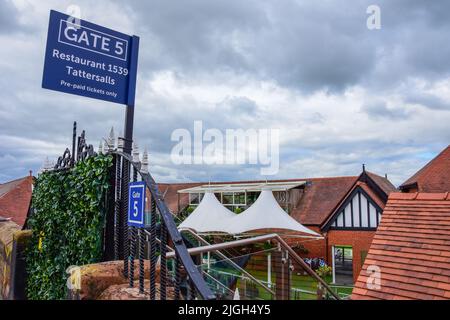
(129, 113)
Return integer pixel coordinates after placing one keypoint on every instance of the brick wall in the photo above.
(359, 240)
(316, 248)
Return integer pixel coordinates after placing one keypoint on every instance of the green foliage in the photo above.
(69, 210)
(238, 210)
(190, 209)
(300, 249)
(324, 271)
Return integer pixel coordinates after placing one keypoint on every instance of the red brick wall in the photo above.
(316, 248)
(359, 240)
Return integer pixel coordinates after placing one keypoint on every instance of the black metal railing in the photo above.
(131, 241)
(80, 151)
(121, 242)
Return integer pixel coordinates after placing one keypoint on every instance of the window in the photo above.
(343, 265)
(227, 198)
(239, 199)
(251, 197)
(195, 198)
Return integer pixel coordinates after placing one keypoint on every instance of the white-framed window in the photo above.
(195, 198)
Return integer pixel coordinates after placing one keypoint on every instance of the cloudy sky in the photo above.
(340, 94)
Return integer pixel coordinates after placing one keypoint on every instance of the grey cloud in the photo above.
(289, 43)
(233, 112)
(303, 46)
(238, 106)
(428, 101)
(198, 35)
(8, 17)
(379, 110)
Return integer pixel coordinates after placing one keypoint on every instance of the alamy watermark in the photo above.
(373, 281)
(74, 12)
(259, 147)
(374, 20)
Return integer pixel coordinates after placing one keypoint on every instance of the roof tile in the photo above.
(414, 257)
(15, 198)
(433, 177)
(316, 203)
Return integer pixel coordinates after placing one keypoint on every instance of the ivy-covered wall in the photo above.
(67, 224)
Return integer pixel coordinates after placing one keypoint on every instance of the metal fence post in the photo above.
(117, 213)
(177, 278)
(163, 268)
(132, 255)
(125, 195)
(153, 250)
(141, 260)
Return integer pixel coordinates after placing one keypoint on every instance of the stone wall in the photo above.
(12, 264)
(7, 230)
(94, 279)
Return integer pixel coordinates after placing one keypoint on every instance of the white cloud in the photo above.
(340, 95)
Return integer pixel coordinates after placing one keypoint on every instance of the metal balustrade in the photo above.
(132, 241)
(188, 279)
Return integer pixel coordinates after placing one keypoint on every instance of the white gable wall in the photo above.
(358, 213)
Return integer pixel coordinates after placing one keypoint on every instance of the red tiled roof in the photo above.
(358, 184)
(383, 183)
(15, 198)
(169, 191)
(412, 249)
(320, 198)
(433, 177)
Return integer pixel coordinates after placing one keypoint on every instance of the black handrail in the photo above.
(180, 248)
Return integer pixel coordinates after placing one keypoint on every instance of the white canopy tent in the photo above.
(266, 213)
(210, 216)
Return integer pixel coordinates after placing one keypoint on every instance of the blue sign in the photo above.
(89, 60)
(136, 204)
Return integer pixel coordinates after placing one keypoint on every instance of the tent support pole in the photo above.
(269, 270)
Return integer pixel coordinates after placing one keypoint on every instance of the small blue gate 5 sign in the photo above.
(86, 59)
(136, 205)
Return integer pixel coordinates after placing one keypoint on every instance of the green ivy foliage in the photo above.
(67, 223)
